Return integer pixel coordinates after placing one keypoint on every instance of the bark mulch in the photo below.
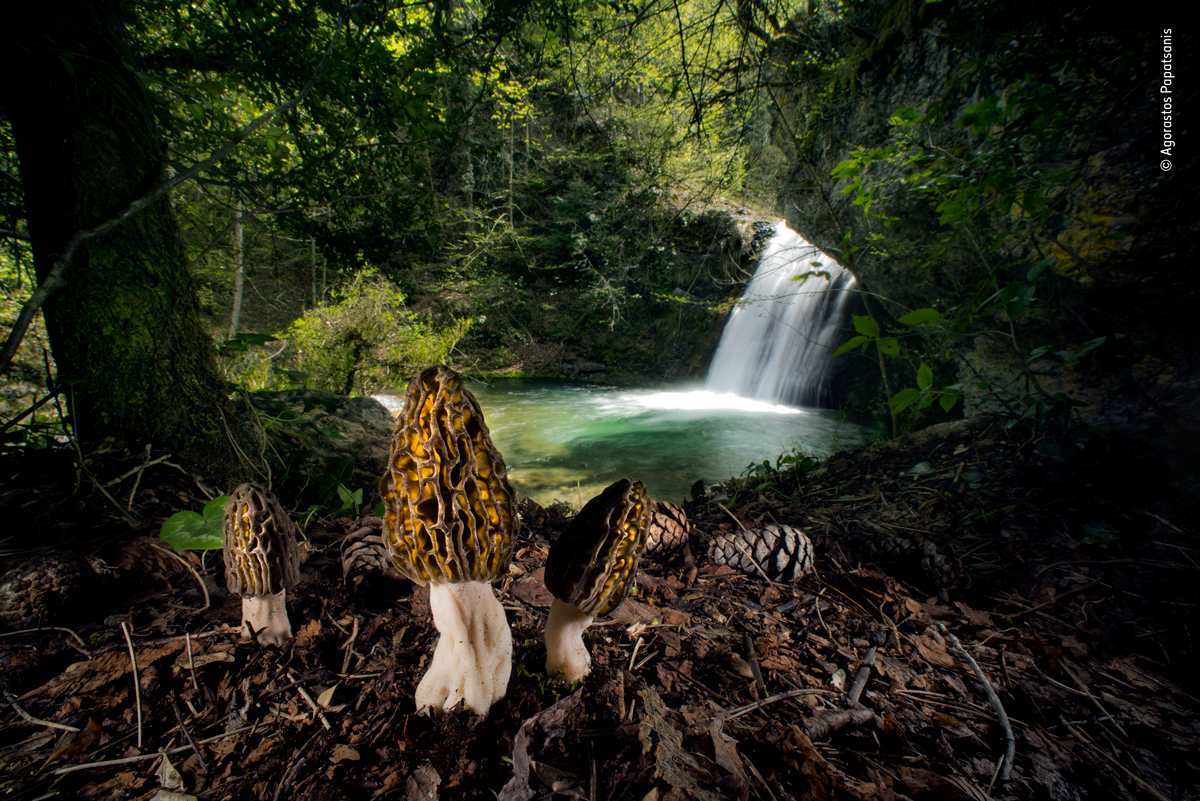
(978, 591)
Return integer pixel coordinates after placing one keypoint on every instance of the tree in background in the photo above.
(87, 119)
(131, 354)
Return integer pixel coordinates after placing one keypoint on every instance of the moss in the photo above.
(126, 333)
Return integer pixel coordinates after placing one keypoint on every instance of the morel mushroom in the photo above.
(262, 562)
(450, 520)
(590, 570)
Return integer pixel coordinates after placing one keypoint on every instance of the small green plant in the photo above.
(869, 331)
(192, 531)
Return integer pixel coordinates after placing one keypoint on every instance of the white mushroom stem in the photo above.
(268, 616)
(565, 651)
(473, 658)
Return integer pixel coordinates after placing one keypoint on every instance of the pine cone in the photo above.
(783, 552)
(364, 553)
(46, 589)
(668, 528)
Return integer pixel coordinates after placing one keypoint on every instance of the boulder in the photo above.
(325, 425)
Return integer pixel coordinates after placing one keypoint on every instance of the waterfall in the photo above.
(779, 338)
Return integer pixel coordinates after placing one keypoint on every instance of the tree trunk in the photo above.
(239, 271)
(126, 332)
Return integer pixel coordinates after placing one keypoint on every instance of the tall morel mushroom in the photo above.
(262, 562)
(450, 521)
(590, 570)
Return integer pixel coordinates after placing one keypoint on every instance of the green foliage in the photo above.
(762, 476)
(189, 530)
(366, 339)
(1010, 178)
(920, 397)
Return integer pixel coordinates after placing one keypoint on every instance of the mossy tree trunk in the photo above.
(126, 331)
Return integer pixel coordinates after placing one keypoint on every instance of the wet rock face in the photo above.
(364, 425)
(915, 69)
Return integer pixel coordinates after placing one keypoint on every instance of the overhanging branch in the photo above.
(57, 277)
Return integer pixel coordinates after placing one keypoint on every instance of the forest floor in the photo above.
(969, 545)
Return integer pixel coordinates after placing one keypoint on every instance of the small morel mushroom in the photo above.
(590, 570)
(262, 562)
(450, 521)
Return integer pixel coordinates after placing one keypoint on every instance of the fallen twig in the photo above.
(78, 639)
(1057, 598)
(633, 656)
(349, 648)
(1088, 693)
(860, 678)
(138, 479)
(188, 734)
(315, 708)
(191, 661)
(137, 685)
(39, 722)
(826, 723)
(1010, 749)
(196, 573)
(1083, 738)
(143, 757)
(748, 708)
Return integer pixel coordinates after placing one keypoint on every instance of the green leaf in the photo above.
(188, 530)
(924, 377)
(1099, 532)
(920, 317)
(866, 326)
(947, 401)
(903, 399)
(254, 339)
(905, 116)
(851, 345)
(888, 346)
(1038, 268)
(846, 169)
(350, 500)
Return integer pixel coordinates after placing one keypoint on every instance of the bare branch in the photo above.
(57, 277)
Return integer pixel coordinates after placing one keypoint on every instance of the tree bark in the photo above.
(126, 331)
(239, 271)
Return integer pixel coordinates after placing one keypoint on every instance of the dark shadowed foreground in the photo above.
(1033, 558)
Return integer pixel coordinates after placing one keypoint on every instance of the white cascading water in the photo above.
(779, 338)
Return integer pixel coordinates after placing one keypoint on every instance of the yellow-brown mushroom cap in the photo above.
(594, 561)
(261, 556)
(450, 513)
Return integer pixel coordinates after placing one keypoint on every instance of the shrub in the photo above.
(366, 339)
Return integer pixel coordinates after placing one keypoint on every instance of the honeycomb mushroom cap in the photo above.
(261, 556)
(450, 519)
(262, 561)
(590, 570)
(450, 511)
(594, 561)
